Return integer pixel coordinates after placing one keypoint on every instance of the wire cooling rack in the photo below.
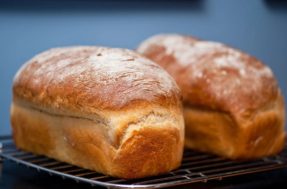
(195, 167)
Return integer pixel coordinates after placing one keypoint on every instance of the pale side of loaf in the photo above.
(233, 106)
(104, 109)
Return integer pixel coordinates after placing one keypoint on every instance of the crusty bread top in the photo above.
(212, 75)
(89, 78)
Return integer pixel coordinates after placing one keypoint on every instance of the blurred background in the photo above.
(27, 27)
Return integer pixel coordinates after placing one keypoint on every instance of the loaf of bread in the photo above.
(233, 106)
(105, 109)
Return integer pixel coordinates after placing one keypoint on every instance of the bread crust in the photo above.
(217, 132)
(227, 90)
(85, 79)
(132, 136)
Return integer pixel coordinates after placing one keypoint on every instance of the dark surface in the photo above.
(18, 177)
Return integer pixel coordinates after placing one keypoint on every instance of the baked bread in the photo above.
(233, 106)
(104, 109)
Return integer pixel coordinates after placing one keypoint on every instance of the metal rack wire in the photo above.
(195, 167)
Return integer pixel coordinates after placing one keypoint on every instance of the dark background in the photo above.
(28, 27)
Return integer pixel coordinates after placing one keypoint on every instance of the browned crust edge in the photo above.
(219, 133)
(148, 151)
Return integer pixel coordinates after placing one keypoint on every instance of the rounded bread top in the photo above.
(87, 78)
(212, 75)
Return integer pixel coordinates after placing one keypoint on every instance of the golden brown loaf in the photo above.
(105, 109)
(233, 106)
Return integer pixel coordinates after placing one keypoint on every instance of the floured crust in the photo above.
(210, 73)
(108, 110)
(216, 78)
(86, 79)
